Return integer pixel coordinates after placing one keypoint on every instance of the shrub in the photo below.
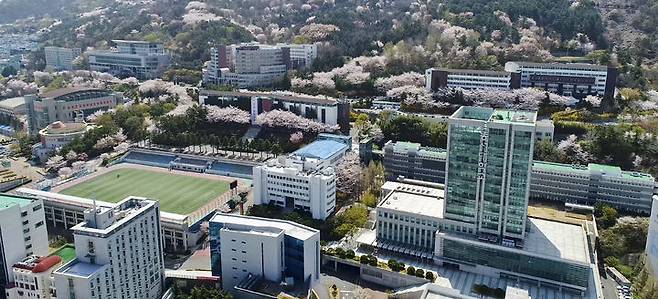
(349, 254)
(395, 265)
(364, 259)
(340, 252)
(420, 273)
(411, 270)
(430, 276)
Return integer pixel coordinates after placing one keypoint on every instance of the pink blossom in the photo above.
(227, 115)
(289, 120)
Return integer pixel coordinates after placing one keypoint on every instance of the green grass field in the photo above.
(178, 194)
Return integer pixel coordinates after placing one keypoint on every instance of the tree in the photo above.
(369, 199)
(546, 150)
(420, 273)
(9, 71)
(606, 215)
(411, 270)
(430, 276)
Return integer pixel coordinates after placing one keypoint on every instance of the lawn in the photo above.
(178, 194)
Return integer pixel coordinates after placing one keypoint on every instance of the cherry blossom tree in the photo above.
(71, 155)
(572, 152)
(289, 120)
(54, 161)
(318, 32)
(297, 137)
(227, 115)
(65, 172)
(404, 79)
(348, 173)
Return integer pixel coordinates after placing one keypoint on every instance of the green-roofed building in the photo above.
(591, 184)
(413, 161)
(22, 232)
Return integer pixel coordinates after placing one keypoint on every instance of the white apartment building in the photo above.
(569, 79)
(243, 247)
(591, 184)
(293, 182)
(22, 232)
(60, 59)
(118, 254)
(140, 59)
(33, 278)
(470, 79)
(67, 104)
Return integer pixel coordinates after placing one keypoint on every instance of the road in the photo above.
(609, 288)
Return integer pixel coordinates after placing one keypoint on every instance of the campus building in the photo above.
(245, 250)
(305, 179)
(488, 171)
(592, 184)
(179, 232)
(408, 216)
(436, 79)
(60, 59)
(569, 79)
(301, 55)
(553, 253)
(323, 109)
(67, 104)
(33, 278)
(56, 135)
(22, 232)
(247, 65)
(118, 253)
(545, 130)
(412, 161)
(140, 59)
(12, 116)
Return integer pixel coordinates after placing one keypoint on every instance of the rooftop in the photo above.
(414, 199)
(59, 127)
(606, 170)
(495, 115)
(66, 91)
(321, 149)
(12, 103)
(290, 228)
(66, 253)
(478, 72)
(557, 240)
(561, 65)
(79, 268)
(7, 200)
(284, 96)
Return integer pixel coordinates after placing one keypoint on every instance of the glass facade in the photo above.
(488, 173)
(464, 153)
(507, 260)
(517, 196)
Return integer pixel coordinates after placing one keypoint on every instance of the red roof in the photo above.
(46, 263)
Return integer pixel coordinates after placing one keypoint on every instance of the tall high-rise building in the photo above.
(22, 233)
(118, 253)
(488, 171)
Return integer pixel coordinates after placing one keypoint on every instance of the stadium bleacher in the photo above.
(151, 159)
(223, 168)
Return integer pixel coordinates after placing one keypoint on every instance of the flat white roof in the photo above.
(557, 239)
(290, 228)
(414, 199)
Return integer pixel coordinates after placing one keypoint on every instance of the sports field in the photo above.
(180, 194)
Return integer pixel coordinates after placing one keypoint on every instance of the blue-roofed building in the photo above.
(304, 180)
